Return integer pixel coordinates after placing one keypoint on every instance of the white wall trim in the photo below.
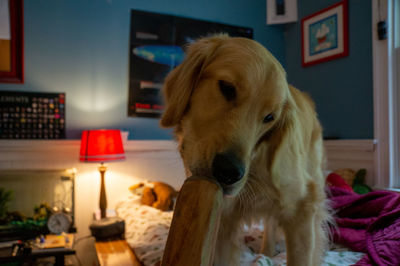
(367, 145)
(353, 154)
(59, 154)
(62, 154)
(394, 95)
(381, 98)
(48, 145)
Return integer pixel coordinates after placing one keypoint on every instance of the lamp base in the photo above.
(110, 227)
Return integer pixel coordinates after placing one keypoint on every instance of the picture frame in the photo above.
(157, 45)
(324, 35)
(281, 11)
(11, 41)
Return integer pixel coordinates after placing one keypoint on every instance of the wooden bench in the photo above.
(193, 233)
(115, 252)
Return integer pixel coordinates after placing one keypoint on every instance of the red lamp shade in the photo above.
(101, 146)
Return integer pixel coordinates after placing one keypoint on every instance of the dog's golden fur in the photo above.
(283, 182)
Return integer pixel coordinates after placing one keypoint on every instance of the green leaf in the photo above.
(360, 176)
(5, 198)
(361, 188)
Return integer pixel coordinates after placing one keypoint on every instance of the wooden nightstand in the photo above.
(115, 252)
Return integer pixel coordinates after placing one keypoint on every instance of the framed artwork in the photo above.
(32, 115)
(157, 45)
(281, 11)
(11, 41)
(325, 35)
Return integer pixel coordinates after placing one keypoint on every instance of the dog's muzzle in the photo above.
(227, 168)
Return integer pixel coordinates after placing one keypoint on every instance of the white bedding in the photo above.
(146, 231)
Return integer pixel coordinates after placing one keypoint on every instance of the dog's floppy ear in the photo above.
(294, 138)
(179, 84)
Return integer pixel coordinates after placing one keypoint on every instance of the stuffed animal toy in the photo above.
(155, 194)
(336, 180)
(347, 174)
(350, 180)
(359, 185)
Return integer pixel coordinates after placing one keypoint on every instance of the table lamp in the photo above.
(100, 146)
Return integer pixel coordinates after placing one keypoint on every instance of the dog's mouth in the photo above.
(232, 190)
(228, 190)
(227, 169)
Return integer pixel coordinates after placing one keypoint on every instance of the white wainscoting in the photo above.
(151, 160)
(354, 154)
(145, 160)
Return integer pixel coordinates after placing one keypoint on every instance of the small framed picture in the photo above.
(281, 11)
(11, 41)
(325, 35)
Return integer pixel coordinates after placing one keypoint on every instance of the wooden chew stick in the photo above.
(194, 228)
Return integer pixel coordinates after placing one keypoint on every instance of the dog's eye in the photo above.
(227, 89)
(268, 118)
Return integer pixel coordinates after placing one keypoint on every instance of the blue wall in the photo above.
(342, 88)
(81, 48)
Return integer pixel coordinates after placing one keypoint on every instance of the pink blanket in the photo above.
(368, 223)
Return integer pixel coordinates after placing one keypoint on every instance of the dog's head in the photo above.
(226, 98)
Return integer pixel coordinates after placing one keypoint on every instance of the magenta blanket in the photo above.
(368, 223)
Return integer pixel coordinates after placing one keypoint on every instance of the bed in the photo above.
(147, 231)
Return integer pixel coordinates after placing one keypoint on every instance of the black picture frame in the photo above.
(157, 45)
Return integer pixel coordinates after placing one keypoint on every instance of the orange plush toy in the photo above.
(155, 194)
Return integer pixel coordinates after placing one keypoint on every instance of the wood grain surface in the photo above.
(195, 223)
(116, 253)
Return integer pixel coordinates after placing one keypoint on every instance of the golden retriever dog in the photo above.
(238, 121)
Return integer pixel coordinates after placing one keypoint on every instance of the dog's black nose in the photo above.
(227, 168)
